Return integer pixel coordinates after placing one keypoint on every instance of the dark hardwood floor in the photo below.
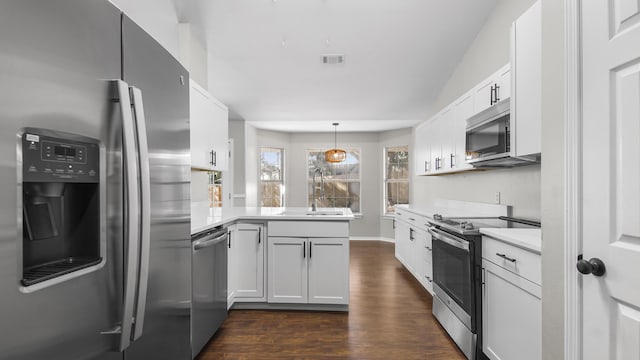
(389, 318)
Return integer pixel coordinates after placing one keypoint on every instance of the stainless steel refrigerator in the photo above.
(95, 252)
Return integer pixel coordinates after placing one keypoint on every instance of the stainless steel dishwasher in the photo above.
(209, 290)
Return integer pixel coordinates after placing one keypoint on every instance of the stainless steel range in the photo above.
(457, 275)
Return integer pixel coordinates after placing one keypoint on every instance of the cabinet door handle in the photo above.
(506, 257)
(259, 234)
(426, 166)
(411, 234)
(215, 158)
(229, 239)
(451, 158)
(412, 219)
(497, 93)
(211, 157)
(428, 278)
(428, 248)
(491, 96)
(304, 250)
(310, 247)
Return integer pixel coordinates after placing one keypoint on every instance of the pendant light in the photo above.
(335, 155)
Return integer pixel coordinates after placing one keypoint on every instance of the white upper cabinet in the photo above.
(493, 89)
(463, 109)
(526, 109)
(422, 149)
(445, 128)
(209, 123)
(435, 142)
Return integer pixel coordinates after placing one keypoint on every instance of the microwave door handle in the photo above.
(145, 213)
(132, 210)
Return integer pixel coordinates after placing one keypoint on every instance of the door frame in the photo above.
(573, 180)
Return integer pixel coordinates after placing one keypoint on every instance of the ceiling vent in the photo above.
(333, 59)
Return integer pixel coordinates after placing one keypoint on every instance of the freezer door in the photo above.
(164, 86)
(56, 60)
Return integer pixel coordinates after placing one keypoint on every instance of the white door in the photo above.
(329, 270)
(249, 265)
(287, 270)
(611, 178)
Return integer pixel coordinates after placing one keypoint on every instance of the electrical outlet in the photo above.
(497, 197)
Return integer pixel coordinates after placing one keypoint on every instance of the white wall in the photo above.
(518, 187)
(157, 17)
(193, 55)
(488, 52)
(553, 189)
(386, 139)
(236, 132)
(252, 161)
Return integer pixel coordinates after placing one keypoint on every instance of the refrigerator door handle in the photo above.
(132, 202)
(145, 214)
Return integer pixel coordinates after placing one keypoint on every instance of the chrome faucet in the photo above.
(314, 204)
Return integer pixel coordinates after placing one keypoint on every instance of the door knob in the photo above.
(593, 266)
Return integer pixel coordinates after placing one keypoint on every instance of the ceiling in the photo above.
(265, 58)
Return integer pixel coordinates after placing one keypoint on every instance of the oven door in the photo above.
(489, 139)
(453, 274)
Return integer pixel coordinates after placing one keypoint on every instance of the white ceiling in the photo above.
(265, 58)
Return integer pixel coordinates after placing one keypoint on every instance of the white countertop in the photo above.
(530, 239)
(203, 217)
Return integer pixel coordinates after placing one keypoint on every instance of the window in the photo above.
(396, 177)
(215, 188)
(271, 177)
(341, 180)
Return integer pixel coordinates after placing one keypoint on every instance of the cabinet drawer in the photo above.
(415, 220)
(322, 228)
(514, 259)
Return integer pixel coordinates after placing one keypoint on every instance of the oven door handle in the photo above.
(458, 243)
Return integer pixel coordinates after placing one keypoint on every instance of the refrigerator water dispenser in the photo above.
(60, 204)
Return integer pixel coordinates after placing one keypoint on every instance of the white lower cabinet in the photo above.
(424, 268)
(511, 304)
(328, 262)
(402, 239)
(288, 270)
(309, 269)
(246, 257)
(413, 246)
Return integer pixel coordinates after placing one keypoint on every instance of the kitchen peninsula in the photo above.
(283, 258)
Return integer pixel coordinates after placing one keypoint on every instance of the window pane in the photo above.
(396, 177)
(271, 176)
(338, 180)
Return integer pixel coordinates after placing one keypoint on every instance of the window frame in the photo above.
(386, 180)
(282, 174)
(358, 180)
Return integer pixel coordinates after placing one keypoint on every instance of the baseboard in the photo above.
(371, 238)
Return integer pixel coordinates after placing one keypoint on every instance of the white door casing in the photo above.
(610, 176)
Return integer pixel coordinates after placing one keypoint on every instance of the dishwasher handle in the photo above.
(209, 241)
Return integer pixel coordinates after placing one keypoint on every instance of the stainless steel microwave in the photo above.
(488, 140)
